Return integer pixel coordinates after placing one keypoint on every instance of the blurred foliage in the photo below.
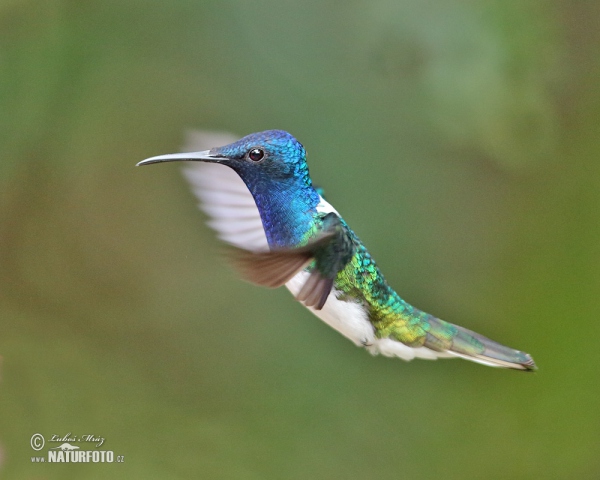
(460, 141)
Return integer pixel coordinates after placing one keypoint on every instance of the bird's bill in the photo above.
(204, 156)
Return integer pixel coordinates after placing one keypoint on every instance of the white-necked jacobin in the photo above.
(285, 233)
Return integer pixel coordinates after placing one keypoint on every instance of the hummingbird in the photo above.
(260, 198)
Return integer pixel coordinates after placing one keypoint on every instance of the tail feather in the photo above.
(461, 342)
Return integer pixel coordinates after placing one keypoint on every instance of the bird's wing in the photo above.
(327, 254)
(224, 197)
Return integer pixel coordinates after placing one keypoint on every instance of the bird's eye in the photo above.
(256, 154)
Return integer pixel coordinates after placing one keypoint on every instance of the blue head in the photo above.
(273, 166)
(273, 154)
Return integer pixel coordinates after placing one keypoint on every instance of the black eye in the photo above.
(256, 154)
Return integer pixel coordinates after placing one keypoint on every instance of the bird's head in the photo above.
(272, 155)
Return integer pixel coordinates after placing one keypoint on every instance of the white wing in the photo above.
(223, 195)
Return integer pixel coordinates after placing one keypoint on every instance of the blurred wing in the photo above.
(330, 252)
(271, 269)
(224, 197)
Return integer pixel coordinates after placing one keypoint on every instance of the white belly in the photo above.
(350, 319)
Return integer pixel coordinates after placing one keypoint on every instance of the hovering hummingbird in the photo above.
(261, 200)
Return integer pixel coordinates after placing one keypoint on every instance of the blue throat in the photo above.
(287, 206)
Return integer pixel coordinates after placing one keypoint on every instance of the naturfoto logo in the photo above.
(68, 452)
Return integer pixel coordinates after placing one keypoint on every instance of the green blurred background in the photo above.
(459, 139)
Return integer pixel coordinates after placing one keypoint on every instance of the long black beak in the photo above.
(203, 156)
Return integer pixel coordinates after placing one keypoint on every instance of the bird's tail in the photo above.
(452, 340)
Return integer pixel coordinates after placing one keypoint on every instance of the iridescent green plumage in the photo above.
(394, 318)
